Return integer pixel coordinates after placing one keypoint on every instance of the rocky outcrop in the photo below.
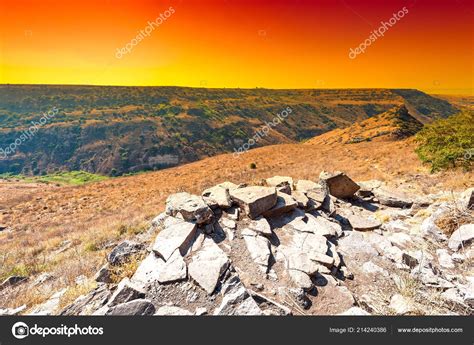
(264, 250)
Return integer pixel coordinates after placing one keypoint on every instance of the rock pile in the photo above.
(288, 247)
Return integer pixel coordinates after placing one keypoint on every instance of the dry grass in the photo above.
(454, 219)
(127, 269)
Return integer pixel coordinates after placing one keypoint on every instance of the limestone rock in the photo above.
(103, 275)
(306, 185)
(217, 196)
(259, 249)
(400, 304)
(260, 226)
(285, 203)
(126, 291)
(361, 223)
(355, 311)
(338, 184)
(254, 200)
(207, 265)
(149, 270)
(172, 311)
(173, 270)
(467, 199)
(136, 307)
(393, 198)
(462, 236)
(444, 259)
(279, 181)
(191, 207)
(178, 236)
(301, 199)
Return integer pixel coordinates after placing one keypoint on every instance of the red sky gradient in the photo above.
(239, 43)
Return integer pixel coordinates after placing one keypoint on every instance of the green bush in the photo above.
(448, 143)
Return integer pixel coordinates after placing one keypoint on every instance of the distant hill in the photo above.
(117, 130)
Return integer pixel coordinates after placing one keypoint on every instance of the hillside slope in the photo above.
(49, 226)
(116, 130)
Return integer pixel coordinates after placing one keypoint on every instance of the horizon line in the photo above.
(467, 92)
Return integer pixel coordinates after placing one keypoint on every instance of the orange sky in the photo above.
(239, 43)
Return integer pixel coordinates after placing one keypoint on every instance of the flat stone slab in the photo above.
(363, 223)
(176, 236)
(254, 200)
(309, 243)
(393, 198)
(207, 265)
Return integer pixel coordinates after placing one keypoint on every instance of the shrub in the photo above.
(253, 166)
(447, 143)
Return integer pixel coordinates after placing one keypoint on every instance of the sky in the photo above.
(240, 43)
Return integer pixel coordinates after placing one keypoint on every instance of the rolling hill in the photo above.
(118, 130)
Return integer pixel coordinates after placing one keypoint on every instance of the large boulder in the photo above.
(338, 184)
(462, 236)
(207, 265)
(177, 236)
(191, 207)
(254, 200)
